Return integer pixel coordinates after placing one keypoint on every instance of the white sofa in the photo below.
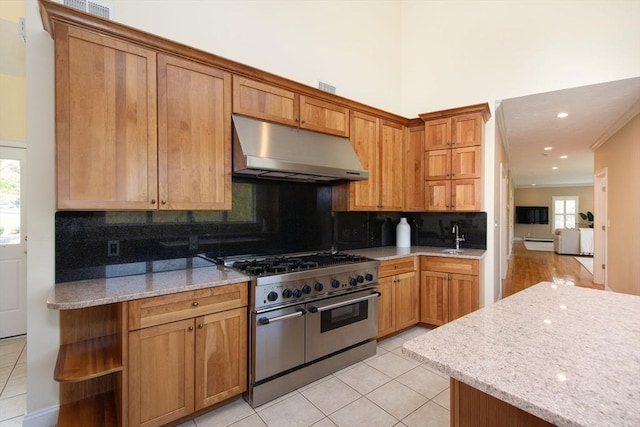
(574, 241)
(566, 241)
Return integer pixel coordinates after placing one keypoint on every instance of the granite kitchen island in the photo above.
(548, 355)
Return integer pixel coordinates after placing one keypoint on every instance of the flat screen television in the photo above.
(532, 215)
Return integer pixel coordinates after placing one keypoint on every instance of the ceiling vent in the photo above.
(101, 9)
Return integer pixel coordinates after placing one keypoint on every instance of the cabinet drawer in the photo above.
(450, 265)
(397, 266)
(169, 308)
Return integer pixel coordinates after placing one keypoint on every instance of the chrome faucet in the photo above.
(456, 230)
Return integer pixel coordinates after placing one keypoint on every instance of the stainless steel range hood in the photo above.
(268, 150)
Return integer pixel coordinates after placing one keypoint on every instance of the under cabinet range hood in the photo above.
(268, 150)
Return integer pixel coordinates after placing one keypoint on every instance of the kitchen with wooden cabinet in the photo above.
(162, 135)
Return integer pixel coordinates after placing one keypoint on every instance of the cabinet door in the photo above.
(463, 295)
(437, 134)
(437, 164)
(414, 174)
(106, 138)
(465, 162)
(386, 318)
(465, 194)
(391, 166)
(221, 356)
(438, 195)
(322, 116)
(364, 137)
(194, 135)
(161, 373)
(406, 300)
(434, 298)
(264, 101)
(467, 130)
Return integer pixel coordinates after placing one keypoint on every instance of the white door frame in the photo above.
(600, 226)
(13, 259)
(504, 239)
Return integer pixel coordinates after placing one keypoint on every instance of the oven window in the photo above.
(343, 316)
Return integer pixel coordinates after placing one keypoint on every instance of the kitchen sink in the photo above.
(453, 251)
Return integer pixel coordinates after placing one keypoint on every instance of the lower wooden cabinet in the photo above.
(398, 304)
(221, 357)
(182, 366)
(161, 379)
(445, 293)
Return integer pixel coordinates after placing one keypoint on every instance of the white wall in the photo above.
(461, 52)
(42, 323)
(441, 55)
(353, 45)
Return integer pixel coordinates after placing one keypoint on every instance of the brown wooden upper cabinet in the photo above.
(453, 158)
(414, 181)
(275, 104)
(458, 131)
(379, 146)
(136, 130)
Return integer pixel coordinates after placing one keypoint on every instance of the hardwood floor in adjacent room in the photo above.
(526, 268)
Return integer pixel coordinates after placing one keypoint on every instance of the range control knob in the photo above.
(286, 293)
(335, 283)
(318, 286)
(353, 281)
(360, 279)
(297, 293)
(368, 277)
(306, 289)
(272, 296)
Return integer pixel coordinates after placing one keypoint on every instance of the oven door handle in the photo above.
(314, 309)
(266, 320)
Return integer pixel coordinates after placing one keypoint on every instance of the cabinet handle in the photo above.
(164, 202)
(195, 303)
(200, 325)
(303, 122)
(190, 328)
(153, 201)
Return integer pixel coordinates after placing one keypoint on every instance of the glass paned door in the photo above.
(9, 202)
(13, 247)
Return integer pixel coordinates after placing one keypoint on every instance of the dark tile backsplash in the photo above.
(268, 217)
(355, 230)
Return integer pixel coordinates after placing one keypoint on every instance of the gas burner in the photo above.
(273, 265)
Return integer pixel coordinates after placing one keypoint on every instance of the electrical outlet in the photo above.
(113, 248)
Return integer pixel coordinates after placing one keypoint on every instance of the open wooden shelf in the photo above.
(97, 411)
(88, 359)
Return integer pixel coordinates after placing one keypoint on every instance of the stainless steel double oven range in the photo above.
(310, 315)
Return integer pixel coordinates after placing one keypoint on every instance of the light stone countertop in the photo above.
(92, 292)
(385, 253)
(568, 355)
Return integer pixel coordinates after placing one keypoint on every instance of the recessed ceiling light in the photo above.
(562, 115)
(533, 185)
(564, 157)
(548, 148)
(554, 167)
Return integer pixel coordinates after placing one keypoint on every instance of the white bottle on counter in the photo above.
(403, 234)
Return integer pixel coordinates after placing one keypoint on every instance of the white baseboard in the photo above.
(47, 417)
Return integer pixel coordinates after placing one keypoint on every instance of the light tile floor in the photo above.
(388, 389)
(13, 380)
